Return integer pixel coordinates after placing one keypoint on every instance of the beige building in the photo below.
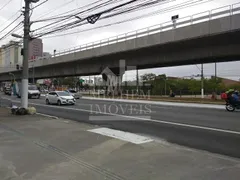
(11, 54)
(1, 58)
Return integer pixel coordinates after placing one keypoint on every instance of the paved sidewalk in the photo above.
(42, 148)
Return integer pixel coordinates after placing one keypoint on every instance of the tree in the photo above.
(148, 77)
(194, 86)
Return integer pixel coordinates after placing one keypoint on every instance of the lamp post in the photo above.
(174, 20)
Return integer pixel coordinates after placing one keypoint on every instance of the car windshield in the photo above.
(63, 93)
(32, 87)
(72, 91)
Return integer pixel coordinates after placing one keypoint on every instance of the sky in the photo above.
(55, 7)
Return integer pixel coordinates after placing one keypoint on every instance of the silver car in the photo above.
(59, 98)
(74, 93)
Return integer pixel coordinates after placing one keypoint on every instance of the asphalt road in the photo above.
(213, 130)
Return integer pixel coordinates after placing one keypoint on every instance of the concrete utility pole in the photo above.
(24, 91)
(202, 82)
(215, 77)
(26, 38)
(137, 79)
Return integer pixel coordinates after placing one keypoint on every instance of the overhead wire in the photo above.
(73, 16)
(9, 32)
(96, 16)
(10, 18)
(73, 11)
(5, 5)
(178, 6)
(39, 4)
(57, 8)
(10, 24)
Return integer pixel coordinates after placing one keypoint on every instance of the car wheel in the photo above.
(230, 108)
(47, 102)
(59, 103)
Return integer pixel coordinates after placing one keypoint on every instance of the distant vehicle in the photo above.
(101, 92)
(60, 98)
(7, 89)
(32, 91)
(74, 93)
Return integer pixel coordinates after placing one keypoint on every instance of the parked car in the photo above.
(59, 98)
(75, 94)
(32, 91)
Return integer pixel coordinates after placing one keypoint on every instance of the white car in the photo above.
(32, 91)
(74, 93)
(59, 98)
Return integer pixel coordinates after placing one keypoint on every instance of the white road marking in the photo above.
(146, 119)
(46, 115)
(125, 136)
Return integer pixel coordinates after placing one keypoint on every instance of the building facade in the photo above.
(1, 58)
(11, 54)
(35, 49)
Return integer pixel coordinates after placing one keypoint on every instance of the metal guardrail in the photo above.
(193, 19)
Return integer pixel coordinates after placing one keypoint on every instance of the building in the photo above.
(11, 54)
(46, 55)
(229, 82)
(35, 49)
(1, 58)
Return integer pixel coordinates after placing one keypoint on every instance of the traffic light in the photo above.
(17, 67)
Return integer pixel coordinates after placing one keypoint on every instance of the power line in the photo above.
(11, 23)
(10, 31)
(67, 18)
(39, 4)
(10, 18)
(92, 18)
(169, 9)
(51, 11)
(5, 5)
(59, 16)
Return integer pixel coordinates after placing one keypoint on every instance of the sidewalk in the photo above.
(42, 148)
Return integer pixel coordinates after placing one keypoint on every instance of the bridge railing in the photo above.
(181, 22)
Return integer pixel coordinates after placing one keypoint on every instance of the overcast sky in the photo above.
(55, 7)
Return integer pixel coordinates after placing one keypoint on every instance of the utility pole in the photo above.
(215, 77)
(165, 88)
(24, 91)
(137, 81)
(202, 82)
(33, 69)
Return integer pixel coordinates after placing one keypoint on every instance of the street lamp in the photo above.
(174, 20)
(17, 36)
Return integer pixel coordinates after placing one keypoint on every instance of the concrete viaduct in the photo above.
(204, 39)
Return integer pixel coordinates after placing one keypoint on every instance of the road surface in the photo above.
(213, 130)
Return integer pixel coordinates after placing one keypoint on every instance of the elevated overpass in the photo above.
(211, 36)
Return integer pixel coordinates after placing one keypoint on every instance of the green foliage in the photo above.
(184, 86)
(148, 77)
(71, 82)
